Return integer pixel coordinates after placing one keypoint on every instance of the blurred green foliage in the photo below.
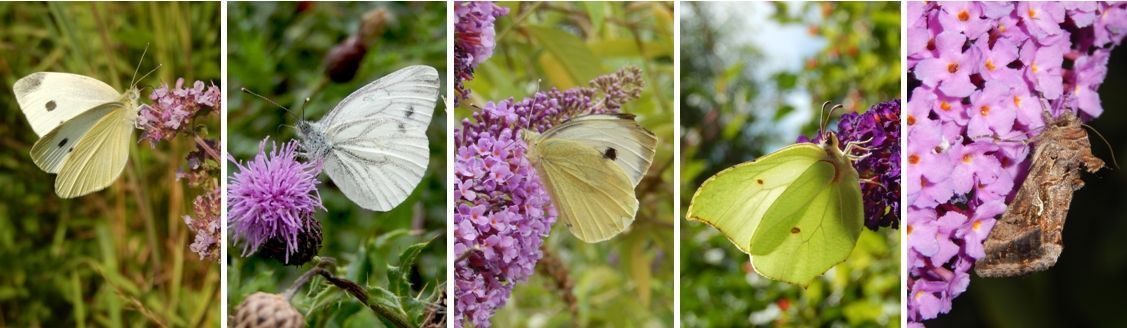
(118, 257)
(628, 280)
(729, 115)
(279, 50)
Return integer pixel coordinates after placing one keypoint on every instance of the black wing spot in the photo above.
(63, 143)
(410, 111)
(759, 181)
(610, 154)
(402, 128)
(795, 230)
(70, 150)
(50, 105)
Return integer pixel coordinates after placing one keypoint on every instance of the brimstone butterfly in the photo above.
(796, 211)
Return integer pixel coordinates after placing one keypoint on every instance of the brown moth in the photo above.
(1027, 238)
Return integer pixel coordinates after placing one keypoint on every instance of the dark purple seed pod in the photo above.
(344, 60)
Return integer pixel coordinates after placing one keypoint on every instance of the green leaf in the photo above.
(567, 59)
(398, 276)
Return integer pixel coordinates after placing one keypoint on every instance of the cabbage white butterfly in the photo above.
(796, 211)
(373, 143)
(84, 126)
(590, 166)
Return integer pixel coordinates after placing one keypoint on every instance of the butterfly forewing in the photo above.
(617, 136)
(593, 196)
(377, 135)
(49, 98)
(99, 156)
(53, 149)
(735, 200)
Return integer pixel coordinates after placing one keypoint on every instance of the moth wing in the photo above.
(735, 200)
(632, 145)
(53, 149)
(48, 99)
(812, 226)
(592, 194)
(99, 156)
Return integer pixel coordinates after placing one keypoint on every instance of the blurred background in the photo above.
(1083, 289)
(628, 280)
(282, 51)
(754, 76)
(119, 256)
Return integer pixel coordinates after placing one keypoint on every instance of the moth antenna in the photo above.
(1108, 143)
(264, 98)
(133, 80)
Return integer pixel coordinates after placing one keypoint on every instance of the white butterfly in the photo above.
(374, 144)
(84, 126)
(590, 166)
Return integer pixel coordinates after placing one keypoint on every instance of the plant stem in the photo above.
(203, 145)
(396, 318)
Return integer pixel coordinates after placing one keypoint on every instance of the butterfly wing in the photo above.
(617, 136)
(593, 196)
(48, 98)
(52, 149)
(793, 211)
(99, 155)
(378, 135)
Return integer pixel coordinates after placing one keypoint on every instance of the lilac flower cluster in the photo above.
(879, 129)
(271, 197)
(173, 109)
(502, 211)
(980, 74)
(172, 113)
(474, 39)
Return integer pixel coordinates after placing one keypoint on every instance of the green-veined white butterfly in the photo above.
(84, 125)
(374, 143)
(590, 166)
(796, 211)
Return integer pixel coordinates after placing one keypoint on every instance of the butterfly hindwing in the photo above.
(49, 98)
(99, 156)
(593, 196)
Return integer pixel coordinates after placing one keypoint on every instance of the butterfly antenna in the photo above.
(821, 122)
(133, 79)
(303, 108)
(264, 98)
(133, 84)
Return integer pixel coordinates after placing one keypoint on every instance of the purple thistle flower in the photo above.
(503, 212)
(959, 171)
(173, 109)
(474, 40)
(880, 170)
(271, 197)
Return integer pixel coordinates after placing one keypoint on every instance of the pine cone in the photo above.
(308, 245)
(261, 310)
